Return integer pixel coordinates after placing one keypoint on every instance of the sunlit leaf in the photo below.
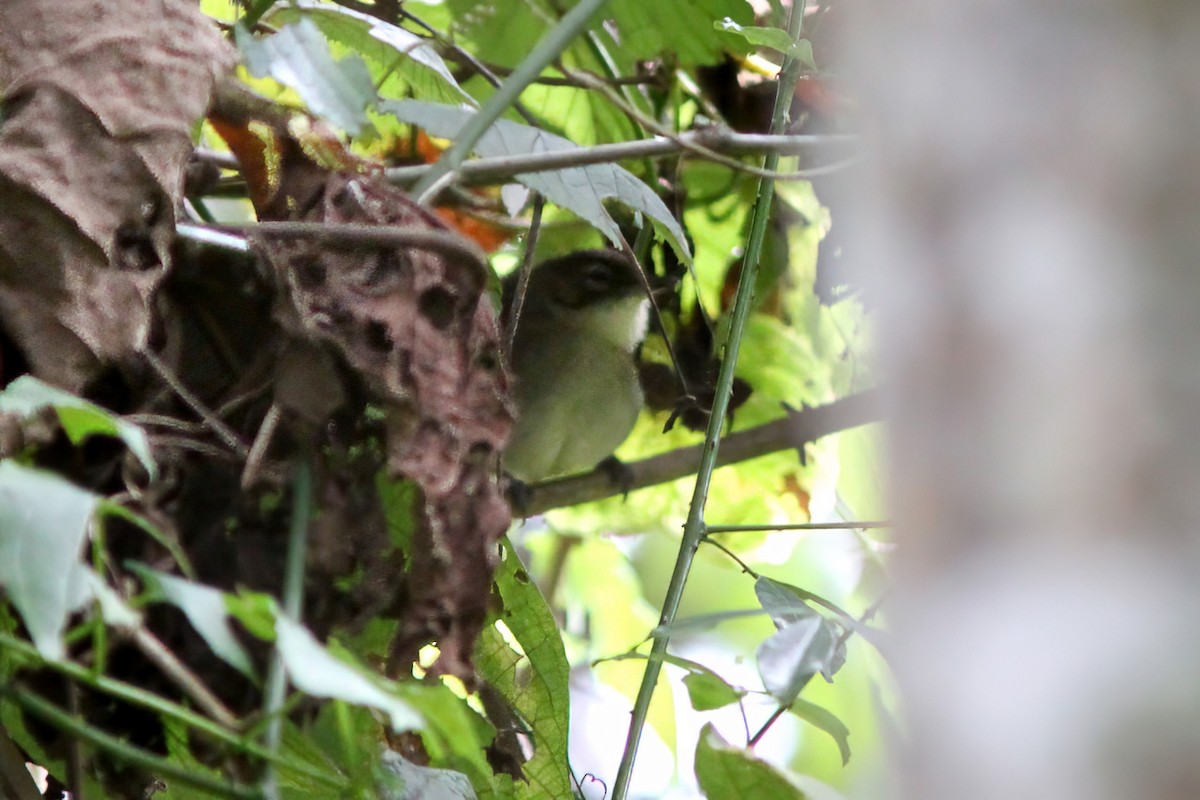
(388, 49)
(827, 721)
(206, 610)
(298, 57)
(725, 772)
(313, 670)
(537, 685)
(706, 689)
(583, 190)
(79, 418)
(43, 524)
(805, 644)
(774, 38)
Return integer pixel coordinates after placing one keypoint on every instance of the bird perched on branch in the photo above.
(577, 390)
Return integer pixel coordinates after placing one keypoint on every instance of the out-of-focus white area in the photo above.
(1030, 229)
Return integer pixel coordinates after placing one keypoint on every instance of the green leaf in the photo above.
(805, 644)
(535, 685)
(313, 670)
(455, 735)
(298, 56)
(43, 524)
(404, 780)
(774, 38)
(206, 610)
(683, 28)
(79, 418)
(255, 610)
(725, 772)
(388, 50)
(708, 690)
(825, 720)
(583, 190)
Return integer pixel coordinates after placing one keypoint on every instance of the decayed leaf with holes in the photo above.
(415, 323)
(100, 97)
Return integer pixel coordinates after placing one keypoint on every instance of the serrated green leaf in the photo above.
(536, 685)
(43, 524)
(206, 610)
(725, 772)
(391, 52)
(79, 418)
(583, 190)
(298, 56)
(825, 720)
(313, 670)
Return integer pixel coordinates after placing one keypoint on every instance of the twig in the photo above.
(178, 673)
(797, 526)
(445, 242)
(791, 432)
(718, 140)
(689, 146)
(766, 726)
(518, 296)
(222, 431)
(258, 450)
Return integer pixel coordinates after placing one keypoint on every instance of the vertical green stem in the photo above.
(293, 606)
(693, 529)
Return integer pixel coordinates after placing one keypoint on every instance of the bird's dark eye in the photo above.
(597, 278)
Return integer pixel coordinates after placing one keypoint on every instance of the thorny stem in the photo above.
(693, 529)
(799, 526)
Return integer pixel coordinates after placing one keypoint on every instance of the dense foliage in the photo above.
(251, 549)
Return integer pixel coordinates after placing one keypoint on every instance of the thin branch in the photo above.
(348, 233)
(518, 297)
(691, 147)
(798, 526)
(178, 673)
(766, 726)
(791, 432)
(222, 431)
(718, 140)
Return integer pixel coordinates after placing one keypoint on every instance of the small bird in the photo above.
(577, 390)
